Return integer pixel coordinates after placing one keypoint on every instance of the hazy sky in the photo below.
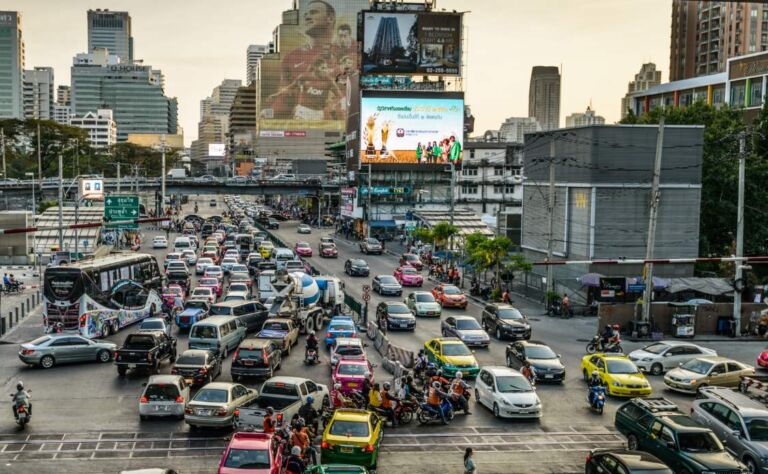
(197, 43)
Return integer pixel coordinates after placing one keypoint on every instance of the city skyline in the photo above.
(595, 66)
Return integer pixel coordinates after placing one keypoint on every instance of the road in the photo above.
(88, 412)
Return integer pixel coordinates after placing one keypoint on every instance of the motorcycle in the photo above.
(22, 413)
(426, 413)
(555, 308)
(404, 411)
(455, 404)
(596, 398)
(596, 345)
(311, 358)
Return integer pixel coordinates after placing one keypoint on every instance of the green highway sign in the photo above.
(121, 208)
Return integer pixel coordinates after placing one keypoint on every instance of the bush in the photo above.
(496, 294)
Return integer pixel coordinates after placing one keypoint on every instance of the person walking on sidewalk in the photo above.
(469, 463)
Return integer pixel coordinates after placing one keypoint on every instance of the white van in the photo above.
(281, 255)
(181, 244)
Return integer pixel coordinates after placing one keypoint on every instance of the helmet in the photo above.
(607, 326)
(367, 374)
(594, 373)
(387, 385)
(310, 399)
(270, 410)
(431, 366)
(616, 327)
(439, 372)
(436, 384)
(20, 385)
(311, 333)
(337, 385)
(295, 451)
(459, 374)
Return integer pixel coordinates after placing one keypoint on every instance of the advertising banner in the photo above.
(347, 205)
(91, 188)
(411, 43)
(417, 129)
(217, 149)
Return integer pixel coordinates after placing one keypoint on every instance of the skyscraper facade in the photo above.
(11, 66)
(62, 95)
(514, 129)
(38, 93)
(111, 30)
(645, 79)
(582, 119)
(253, 57)
(544, 96)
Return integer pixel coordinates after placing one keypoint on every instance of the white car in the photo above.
(231, 253)
(177, 265)
(163, 396)
(507, 393)
(159, 242)
(201, 265)
(227, 263)
(190, 256)
(238, 287)
(659, 357)
(155, 324)
(236, 296)
(204, 292)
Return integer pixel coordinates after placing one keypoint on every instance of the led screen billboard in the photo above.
(411, 128)
(411, 43)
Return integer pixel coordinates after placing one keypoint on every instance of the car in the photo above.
(505, 322)
(704, 371)
(351, 348)
(214, 404)
(356, 267)
(352, 436)
(507, 393)
(408, 276)
(386, 285)
(204, 292)
(258, 358)
(371, 246)
(452, 355)
(339, 326)
(178, 277)
(412, 260)
(252, 262)
(467, 329)
(190, 256)
(328, 250)
(232, 253)
(213, 256)
(450, 296)
(396, 314)
(618, 374)
(197, 366)
(239, 274)
(212, 203)
(155, 324)
(272, 224)
(202, 263)
(171, 257)
(239, 286)
(236, 296)
(297, 266)
(659, 357)
(49, 350)
(281, 330)
(251, 452)
(350, 373)
(211, 282)
(194, 310)
(545, 362)
(605, 460)
(163, 396)
(336, 469)
(304, 229)
(213, 271)
(265, 248)
(159, 242)
(178, 265)
(303, 249)
(423, 303)
(227, 263)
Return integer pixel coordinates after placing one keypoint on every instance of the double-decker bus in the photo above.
(98, 297)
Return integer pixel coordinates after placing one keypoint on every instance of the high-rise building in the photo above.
(63, 95)
(61, 113)
(111, 30)
(544, 96)
(11, 66)
(100, 125)
(588, 117)
(214, 122)
(706, 34)
(38, 93)
(253, 57)
(645, 79)
(514, 129)
(242, 129)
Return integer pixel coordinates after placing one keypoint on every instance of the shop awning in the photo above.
(383, 224)
(708, 286)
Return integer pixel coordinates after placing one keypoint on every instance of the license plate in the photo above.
(345, 450)
(161, 407)
(248, 362)
(203, 412)
(634, 392)
(549, 376)
(352, 385)
(189, 381)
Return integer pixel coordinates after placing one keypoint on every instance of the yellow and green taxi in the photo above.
(620, 375)
(265, 248)
(352, 437)
(335, 469)
(452, 355)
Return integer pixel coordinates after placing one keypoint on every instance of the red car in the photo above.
(449, 296)
(762, 359)
(413, 260)
(211, 282)
(252, 453)
(328, 249)
(302, 249)
(408, 276)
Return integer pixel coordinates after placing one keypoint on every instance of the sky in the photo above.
(600, 45)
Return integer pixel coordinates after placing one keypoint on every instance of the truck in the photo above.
(285, 395)
(145, 350)
(304, 299)
(177, 173)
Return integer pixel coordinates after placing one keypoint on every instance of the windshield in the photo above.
(350, 429)
(217, 310)
(247, 459)
(152, 325)
(425, 298)
(40, 340)
(657, 348)
(302, 245)
(451, 290)
(203, 332)
(195, 305)
(456, 350)
(698, 366)
(409, 271)
(539, 352)
(138, 342)
(388, 279)
(467, 324)
(211, 395)
(398, 309)
(512, 383)
(700, 442)
(349, 351)
(509, 313)
(238, 287)
(177, 275)
(358, 263)
(352, 369)
(63, 284)
(621, 367)
(373, 242)
(191, 359)
(757, 428)
(161, 392)
(239, 268)
(341, 327)
(255, 354)
(202, 292)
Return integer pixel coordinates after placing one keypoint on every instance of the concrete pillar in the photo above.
(2, 326)
(16, 315)
(27, 305)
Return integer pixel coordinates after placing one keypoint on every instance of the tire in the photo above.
(600, 409)
(591, 348)
(496, 412)
(584, 375)
(477, 396)
(236, 378)
(423, 417)
(224, 352)
(499, 334)
(143, 417)
(103, 356)
(632, 442)
(309, 325)
(106, 330)
(657, 369)
(47, 362)
(751, 465)
(509, 361)
(319, 321)
(405, 417)
(122, 370)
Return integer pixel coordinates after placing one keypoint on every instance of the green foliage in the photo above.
(442, 233)
(43, 205)
(496, 294)
(423, 234)
(494, 254)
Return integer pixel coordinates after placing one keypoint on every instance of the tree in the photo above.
(442, 233)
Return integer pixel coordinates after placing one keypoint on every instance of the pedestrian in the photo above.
(469, 463)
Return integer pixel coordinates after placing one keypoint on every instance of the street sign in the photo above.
(410, 227)
(366, 297)
(366, 288)
(636, 288)
(121, 208)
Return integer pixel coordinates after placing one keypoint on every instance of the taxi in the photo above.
(620, 375)
(450, 296)
(350, 374)
(265, 248)
(408, 276)
(352, 436)
(335, 469)
(452, 355)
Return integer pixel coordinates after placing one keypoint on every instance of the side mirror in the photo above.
(671, 445)
(667, 354)
(714, 373)
(143, 385)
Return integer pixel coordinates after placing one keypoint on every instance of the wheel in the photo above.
(498, 334)
(47, 362)
(591, 348)
(143, 417)
(224, 352)
(509, 360)
(106, 330)
(103, 356)
(423, 417)
(121, 370)
(477, 396)
(319, 321)
(584, 374)
(600, 410)
(657, 369)
(496, 412)
(751, 465)
(632, 443)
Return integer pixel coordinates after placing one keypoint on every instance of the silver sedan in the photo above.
(47, 351)
(214, 405)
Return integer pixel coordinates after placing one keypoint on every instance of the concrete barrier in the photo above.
(371, 331)
(400, 354)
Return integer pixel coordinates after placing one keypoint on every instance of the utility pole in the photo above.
(118, 177)
(39, 162)
(453, 194)
(162, 175)
(740, 234)
(551, 211)
(61, 202)
(652, 215)
(370, 191)
(2, 144)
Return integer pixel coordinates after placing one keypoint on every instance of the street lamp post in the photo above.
(34, 208)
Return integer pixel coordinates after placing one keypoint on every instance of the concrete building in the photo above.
(601, 205)
(38, 93)
(61, 113)
(252, 58)
(100, 125)
(63, 95)
(514, 129)
(705, 34)
(11, 66)
(645, 79)
(213, 127)
(241, 136)
(588, 117)
(112, 31)
(544, 96)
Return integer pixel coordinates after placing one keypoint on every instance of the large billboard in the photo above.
(411, 43)
(305, 84)
(416, 128)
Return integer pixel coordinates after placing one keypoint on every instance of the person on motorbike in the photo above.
(529, 372)
(310, 415)
(434, 397)
(6, 282)
(421, 363)
(338, 400)
(15, 284)
(615, 334)
(311, 343)
(606, 336)
(295, 464)
(374, 398)
(269, 422)
(365, 390)
(300, 439)
(438, 377)
(430, 371)
(458, 388)
(594, 381)
(387, 403)
(21, 398)
(410, 389)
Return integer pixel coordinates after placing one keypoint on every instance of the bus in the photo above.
(98, 297)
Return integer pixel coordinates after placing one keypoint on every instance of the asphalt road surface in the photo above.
(86, 417)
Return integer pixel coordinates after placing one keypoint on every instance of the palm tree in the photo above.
(442, 233)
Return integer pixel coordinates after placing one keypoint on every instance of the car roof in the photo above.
(633, 459)
(463, 317)
(196, 352)
(742, 403)
(497, 370)
(348, 341)
(682, 422)
(163, 379)
(250, 440)
(417, 293)
(611, 356)
(253, 343)
(532, 343)
(448, 340)
(154, 320)
(220, 385)
(351, 414)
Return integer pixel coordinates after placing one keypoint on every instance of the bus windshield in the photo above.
(63, 284)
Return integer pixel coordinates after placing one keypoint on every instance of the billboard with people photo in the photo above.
(415, 128)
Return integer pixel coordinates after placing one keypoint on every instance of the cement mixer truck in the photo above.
(305, 299)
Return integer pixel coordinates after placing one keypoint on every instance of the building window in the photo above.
(717, 95)
(469, 171)
(498, 171)
(737, 95)
(757, 94)
(469, 190)
(472, 153)
(499, 189)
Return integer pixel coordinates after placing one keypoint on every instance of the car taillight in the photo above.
(179, 399)
(368, 448)
(27, 351)
(188, 411)
(221, 412)
(264, 356)
(279, 417)
(328, 335)
(237, 412)
(143, 400)
(234, 356)
(325, 445)
(21, 409)
(589, 457)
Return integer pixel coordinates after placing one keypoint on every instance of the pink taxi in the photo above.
(408, 276)
(350, 374)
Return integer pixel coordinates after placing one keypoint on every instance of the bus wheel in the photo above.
(106, 330)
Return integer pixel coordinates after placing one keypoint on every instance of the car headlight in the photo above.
(505, 402)
(691, 381)
(538, 403)
(616, 384)
(647, 359)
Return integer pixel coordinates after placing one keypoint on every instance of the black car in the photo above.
(623, 461)
(397, 316)
(256, 358)
(251, 313)
(545, 362)
(272, 224)
(198, 367)
(145, 350)
(356, 267)
(252, 262)
(179, 277)
(505, 321)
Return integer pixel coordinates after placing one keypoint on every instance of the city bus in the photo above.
(98, 297)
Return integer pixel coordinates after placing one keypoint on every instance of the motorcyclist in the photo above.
(269, 422)
(529, 372)
(21, 398)
(430, 371)
(338, 400)
(387, 403)
(295, 464)
(366, 388)
(311, 343)
(594, 381)
(421, 362)
(435, 395)
(615, 334)
(374, 397)
(438, 377)
(606, 335)
(458, 388)
(410, 388)
(310, 415)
